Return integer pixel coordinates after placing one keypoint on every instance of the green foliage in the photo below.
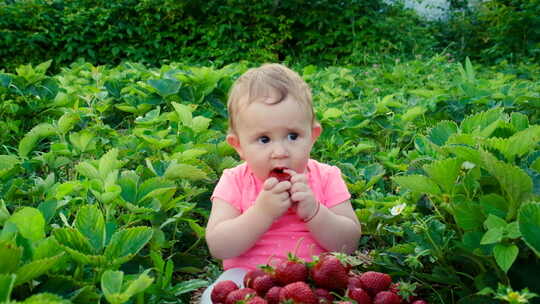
(495, 30)
(109, 174)
(153, 31)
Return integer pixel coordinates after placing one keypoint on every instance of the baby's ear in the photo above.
(316, 131)
(234, 142)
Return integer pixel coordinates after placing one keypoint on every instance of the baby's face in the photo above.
(272, 137)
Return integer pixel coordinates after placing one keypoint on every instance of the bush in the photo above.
(219, 31)
(495, 30)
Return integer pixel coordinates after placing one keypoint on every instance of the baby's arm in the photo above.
(229, 233)
(336, 228)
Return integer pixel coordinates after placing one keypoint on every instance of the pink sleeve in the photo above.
(335, 190)
(228, 189)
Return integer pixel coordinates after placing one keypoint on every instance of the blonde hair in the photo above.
(255, 82)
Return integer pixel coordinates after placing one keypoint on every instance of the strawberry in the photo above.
(221, 290)
(239, 295)
(324, 296)
(250, 275)
(387, 297)
(344, 302)
(420, 302)
(354, 281)
(330, 273)
(359, 295)
(280, 175)
(375, 282)
(263, 283)
(272, 295)
(256, 300)
(291, 270)
(298, 292)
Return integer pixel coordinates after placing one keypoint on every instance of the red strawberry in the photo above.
(420, 302)
(272, 296)
(375, 282)
(238, 295)
(298, 292)
(221, 290)
(280, 175)
(250, 275)
(344, 302)
(324, 296)
(291, 270)
(359, 295)
(263, 283)
(256, 300)
(354, 281)
(387, 297)
(330, 273)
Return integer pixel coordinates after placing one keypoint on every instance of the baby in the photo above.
(278, 200)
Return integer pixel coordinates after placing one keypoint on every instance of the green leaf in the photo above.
(108, 163)
(46, 298)
(200, 124)
(516, 183)
(87, 170)
(129, 181)
(73, 239)
(481, 121)
(139, 284)
(444, 172)
(26, 145)
(189, 286)
(111, 282)
(7, 282)
(442, 131)
(466, 153)
(67, 121)
(512, 230)
(505, 255)
(184, 113)
(332, 113)
(492, 236)
(494, 204)
(413, 113)
(112, 286)
(165, 87)
(83, 141)
(30, 223)
(10, 257)
(35, 268)
(518, 144)
(126, 243)
(468, 215)
(184, 171)
(417, 183)
(519, 121)
(529, 225)
(493, 221)
(91, 224)
(7, 163)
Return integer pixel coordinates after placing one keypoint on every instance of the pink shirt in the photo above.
(239, 187)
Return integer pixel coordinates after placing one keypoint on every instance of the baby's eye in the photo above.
(293, 136)
(264, 139)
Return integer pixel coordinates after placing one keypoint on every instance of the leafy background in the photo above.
(108, 158)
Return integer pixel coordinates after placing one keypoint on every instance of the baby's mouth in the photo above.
(280, 174)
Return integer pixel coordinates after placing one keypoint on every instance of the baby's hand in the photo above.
(302, 195)
(274, 199)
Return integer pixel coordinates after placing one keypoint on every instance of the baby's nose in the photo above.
(280, 150)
